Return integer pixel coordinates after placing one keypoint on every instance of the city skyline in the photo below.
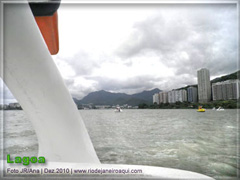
(134, 48)
(204, 92)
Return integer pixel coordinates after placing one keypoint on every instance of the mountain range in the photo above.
(107, 98)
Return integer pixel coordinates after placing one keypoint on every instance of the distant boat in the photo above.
(200, 109)
(220, 109)
(214, 108)
(118, 109)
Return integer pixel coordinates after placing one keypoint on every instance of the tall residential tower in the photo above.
(204, 85)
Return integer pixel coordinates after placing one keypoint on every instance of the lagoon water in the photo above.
(184, 139)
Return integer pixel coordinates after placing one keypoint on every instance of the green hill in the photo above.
(234, 75)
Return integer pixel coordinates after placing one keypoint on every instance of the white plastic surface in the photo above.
(34, 80)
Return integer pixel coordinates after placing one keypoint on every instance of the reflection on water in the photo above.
(185, 139)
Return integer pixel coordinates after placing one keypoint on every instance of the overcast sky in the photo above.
(131, 48)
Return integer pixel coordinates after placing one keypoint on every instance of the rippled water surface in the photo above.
(185, 139)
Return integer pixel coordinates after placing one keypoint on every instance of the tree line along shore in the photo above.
(227, 104)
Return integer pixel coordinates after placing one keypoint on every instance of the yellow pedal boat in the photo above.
(200, 109)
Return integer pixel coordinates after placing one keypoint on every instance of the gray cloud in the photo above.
(206, 34)
(136, 83)
(184, 38)
(82, 63)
